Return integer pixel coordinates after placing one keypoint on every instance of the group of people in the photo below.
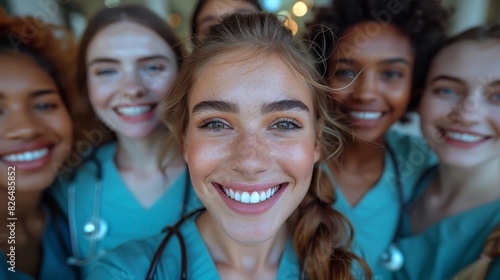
(257, 155)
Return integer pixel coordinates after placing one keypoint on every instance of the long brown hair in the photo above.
(322, 235)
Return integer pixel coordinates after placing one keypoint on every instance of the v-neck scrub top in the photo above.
(132, 260)
(375, 217)
(445, 248)
(126, 217)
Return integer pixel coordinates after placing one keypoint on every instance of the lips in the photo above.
(463, 139)
(30, 156)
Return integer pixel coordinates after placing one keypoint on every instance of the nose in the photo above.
(469, 111)
(21, 125)
(368, 87)
(134, 86)
(250, 155)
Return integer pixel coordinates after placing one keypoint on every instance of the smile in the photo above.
(365, 115)
(464, 137)
(27, 156)
(134, 110)
(250, 197)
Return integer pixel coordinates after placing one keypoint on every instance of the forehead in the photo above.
(371, 39)
(243, 74)
(127, 39)
(20, 73)
(469, 60)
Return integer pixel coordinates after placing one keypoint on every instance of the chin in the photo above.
(249, 233)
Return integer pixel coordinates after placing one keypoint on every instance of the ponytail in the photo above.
(323, 236)
(477, 270)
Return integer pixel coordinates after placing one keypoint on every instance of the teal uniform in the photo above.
(445, 248)
(375, 217)
(493, 270)
(132, 260)
(55, 250)
(126, 218)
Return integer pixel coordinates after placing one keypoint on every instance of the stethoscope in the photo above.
(171, 231)
(392, 258)
(95, 228)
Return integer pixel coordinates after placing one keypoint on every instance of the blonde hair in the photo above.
(322, 236)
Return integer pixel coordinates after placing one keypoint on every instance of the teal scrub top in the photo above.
(126, 218)
(447, 247)
(55, 250)
(132, 260)
(375, 217)
(493, 270)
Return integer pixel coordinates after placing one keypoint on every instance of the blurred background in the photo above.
(75, 13)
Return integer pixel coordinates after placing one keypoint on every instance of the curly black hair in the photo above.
(423, 21)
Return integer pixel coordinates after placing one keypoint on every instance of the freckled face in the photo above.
(372, 72)
(250, 143)
(35, 126)
(130, 69)
(460, 108)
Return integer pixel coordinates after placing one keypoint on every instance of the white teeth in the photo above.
(133, 110)
(463, 137)
(247, 198)
(27, 156)
(366, 115)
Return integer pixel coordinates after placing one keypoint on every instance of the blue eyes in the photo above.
(149, 69)
(351, 74)
(105, 72)
(392, 74)
(283, 125)
(445, 92)
(45, 106)
(345, 74)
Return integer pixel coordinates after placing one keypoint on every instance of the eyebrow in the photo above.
(112, 60)
(37, 93)
(229, 107)
(448, 78)
(385, 61)
(216, 105)
(284, 105)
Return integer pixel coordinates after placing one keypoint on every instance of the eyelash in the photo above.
(295, 125)
(209, 124)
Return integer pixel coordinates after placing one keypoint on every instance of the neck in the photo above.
(27, 212)
(247, 259)
(482, 180)
(356, 152)
(141, 153)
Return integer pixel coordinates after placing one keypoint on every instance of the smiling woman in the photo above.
(255, 128)
(36, 134)
(127, 62)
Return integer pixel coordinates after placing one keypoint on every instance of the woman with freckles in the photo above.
(254, 126)
(36, 133)
(453, 213)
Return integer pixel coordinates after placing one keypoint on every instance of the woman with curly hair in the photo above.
(36, 134)
(252, 114)
(457, 206)
(374, 54)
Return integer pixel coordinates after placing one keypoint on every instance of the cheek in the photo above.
(161, 87)
(297, 158)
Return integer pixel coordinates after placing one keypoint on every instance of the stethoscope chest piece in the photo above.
(95, 229)
(392, 258)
